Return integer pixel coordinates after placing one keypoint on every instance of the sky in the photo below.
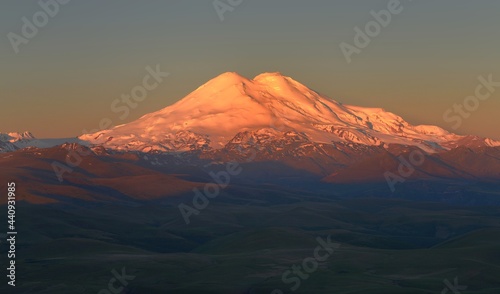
(64, 78)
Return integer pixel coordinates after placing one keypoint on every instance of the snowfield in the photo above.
(212, 115)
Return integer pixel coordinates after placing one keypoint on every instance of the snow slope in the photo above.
(213, 114)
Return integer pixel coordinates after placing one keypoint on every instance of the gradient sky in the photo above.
(65, 79)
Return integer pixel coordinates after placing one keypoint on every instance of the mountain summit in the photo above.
(228, 105)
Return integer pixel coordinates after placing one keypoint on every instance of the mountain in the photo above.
(279, 130)
(14, 141)
(232, 109)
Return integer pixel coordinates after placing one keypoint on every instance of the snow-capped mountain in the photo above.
(17, 137)
(231, 108)
(276, 128)
(14, 141)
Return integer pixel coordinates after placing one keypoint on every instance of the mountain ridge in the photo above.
(217, 111)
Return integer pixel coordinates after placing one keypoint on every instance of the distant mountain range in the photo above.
(275, 122)
(14, 141)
